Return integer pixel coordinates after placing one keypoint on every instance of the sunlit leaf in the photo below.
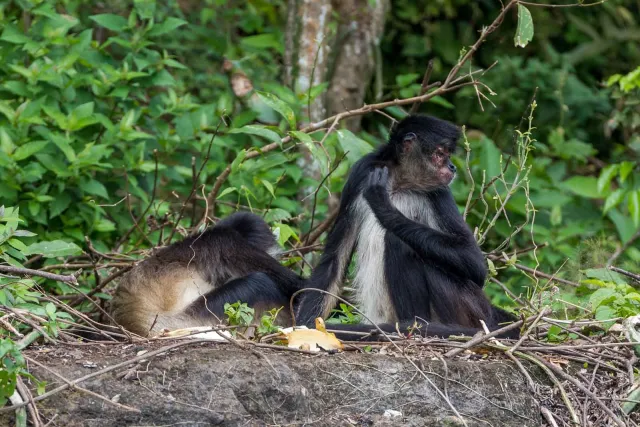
(524, 32)
(55, 248)
(280, 106)
(110, 21)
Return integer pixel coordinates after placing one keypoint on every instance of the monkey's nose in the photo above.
(452, 167)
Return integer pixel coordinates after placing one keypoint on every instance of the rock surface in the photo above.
(216, 384)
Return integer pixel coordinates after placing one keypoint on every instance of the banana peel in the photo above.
(313, 339)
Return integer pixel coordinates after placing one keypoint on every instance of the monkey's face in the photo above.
(425, 167)
(443, 170)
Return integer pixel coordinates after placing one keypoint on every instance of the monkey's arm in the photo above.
(455, 252)
(329, 274)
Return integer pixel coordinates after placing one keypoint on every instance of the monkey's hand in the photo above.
(375, 189)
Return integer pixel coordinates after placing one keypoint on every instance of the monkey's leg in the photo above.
(252, 289)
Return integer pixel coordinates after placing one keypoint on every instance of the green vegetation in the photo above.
(116, 124)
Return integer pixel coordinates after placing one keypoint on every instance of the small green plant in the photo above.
(268, 322)
(344, 315)
(11, 365)
(238, 314)
(610, 296)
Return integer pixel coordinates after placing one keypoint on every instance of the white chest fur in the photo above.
(372, 291)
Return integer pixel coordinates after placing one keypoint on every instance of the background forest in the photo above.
(124, 125)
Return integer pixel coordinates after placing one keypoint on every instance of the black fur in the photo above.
(432, 274)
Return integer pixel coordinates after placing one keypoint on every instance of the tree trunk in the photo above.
(360, 29)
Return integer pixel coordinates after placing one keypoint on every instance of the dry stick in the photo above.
(31, 406)
(82, 389)
(71, 279)
(423, 87)
(536, 273)
(548, 416)
(582, 388)
(553, 6)
(75, 266)
(424, 375)
(634, 276)
(104, 371)
(315, 193)
(483, 338)
(528, 331)
(578, 347)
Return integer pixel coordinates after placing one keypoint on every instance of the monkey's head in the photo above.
(423, 146)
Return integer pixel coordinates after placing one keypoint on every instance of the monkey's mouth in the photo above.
(446, 176)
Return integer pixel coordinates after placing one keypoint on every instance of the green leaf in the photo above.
(276, 215)
(634, 207)
(625, 170)
(602, 296)
(489, 155)
(226, 191)
(524, 32)
(63, 144)
(52, 249)
(355, 147)
(110, 21)
(93, 187)
(280, 106)
(605, 312)
(50, 310)
(606, 176)
(605, 275)
(59, 204)
(13, 35)
(284, 233)
(259, 131)
(585, 186)
(404, 80)
(613, 200)
(624, 225)
(167, 26)
(269, 187)
(145, 8)
(261, 41)
(27, 150)
(318, 153)
(238, 160)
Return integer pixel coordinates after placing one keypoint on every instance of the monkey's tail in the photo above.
(365, 332)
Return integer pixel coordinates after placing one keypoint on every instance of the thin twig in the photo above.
(315, 193)
(634, 276)
(483, 338)
(70, 279)
(423, 87)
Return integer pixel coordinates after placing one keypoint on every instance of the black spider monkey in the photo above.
(187, 283)
(416, 259)
(425, 268)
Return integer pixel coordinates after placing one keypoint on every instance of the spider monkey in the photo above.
(187, 283)
(417, 261)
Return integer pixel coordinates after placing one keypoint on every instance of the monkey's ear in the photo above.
(408, 141)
